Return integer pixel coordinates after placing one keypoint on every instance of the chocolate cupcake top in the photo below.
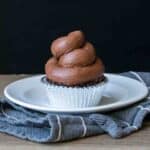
(74, 61)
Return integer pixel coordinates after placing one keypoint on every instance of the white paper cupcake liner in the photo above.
(74, 97)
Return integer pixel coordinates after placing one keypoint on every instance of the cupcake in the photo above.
(74, 75)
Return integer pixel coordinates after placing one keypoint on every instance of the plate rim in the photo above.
(103, 108)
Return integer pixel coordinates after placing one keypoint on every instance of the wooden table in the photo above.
(137, 141)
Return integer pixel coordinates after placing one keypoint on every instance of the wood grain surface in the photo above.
(137, 141)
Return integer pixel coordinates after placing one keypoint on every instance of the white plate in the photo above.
(120, 92)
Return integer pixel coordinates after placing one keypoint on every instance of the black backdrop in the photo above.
(120, 31)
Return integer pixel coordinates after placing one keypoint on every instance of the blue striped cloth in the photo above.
(40, 127)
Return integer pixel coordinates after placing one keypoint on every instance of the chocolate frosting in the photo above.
(74, 61)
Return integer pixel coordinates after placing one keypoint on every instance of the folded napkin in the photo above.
(40, 127)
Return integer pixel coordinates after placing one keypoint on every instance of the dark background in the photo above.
(119, 29)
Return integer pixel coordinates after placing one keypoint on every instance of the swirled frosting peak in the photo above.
(74, 61)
